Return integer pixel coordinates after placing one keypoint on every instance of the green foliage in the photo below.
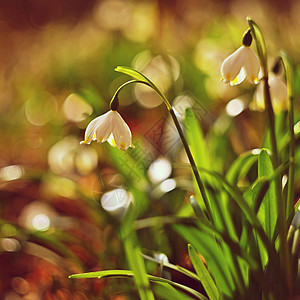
(203, 274)
(237, 236)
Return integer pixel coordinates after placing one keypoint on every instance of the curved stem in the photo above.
(181, 135)
(192, 162)
(262, 53)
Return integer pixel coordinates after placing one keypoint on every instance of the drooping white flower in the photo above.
(109, 127)
(278, 91)
(241, 64)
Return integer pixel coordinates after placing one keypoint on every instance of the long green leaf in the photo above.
(166, 292)
(240, 167)
(249, 212)
(173, 267)
(206, 244)
(198, 147)
(268, 213)
(133, 73)
(134, 257)
(204, 276)
(128, 273)
(203, 226)
(196, 140)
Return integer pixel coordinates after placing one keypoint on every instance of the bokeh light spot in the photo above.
(9, 173)
(41, 222)
(76, 109)
(160, 170)
(168, 185)
(235, 107)
(10, 245)
(41, 109)
(116, 201)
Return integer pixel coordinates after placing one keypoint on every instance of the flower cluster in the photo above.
(244, 63)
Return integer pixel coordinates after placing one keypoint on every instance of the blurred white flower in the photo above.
(109, 127)
(241, 64)
(278, 91)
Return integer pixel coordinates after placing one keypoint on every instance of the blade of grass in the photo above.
(166, 292)
(241, 166)
(204, 276)
(268, 213)
(216, 262)
(130, 274)
(134, 256)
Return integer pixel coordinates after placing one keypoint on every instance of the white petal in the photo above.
(251, 65)
(233, 64)
(121, 132)
(279, 94)
(258, 103)
(104, 130)
(239, 78)
(90, 130)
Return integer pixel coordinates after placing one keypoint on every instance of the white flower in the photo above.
(109, 127)
(279, 95)
(241, 64)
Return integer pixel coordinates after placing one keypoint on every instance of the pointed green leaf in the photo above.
(268, 213)
(134, 256)
(196, 140)
(240, 167)
(205, 278)
(166, 292)
(130, 274)
(206, 244)
(133, 73)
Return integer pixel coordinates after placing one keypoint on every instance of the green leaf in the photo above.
(204, 276)
(127, 273)
(173, 267)
(240, 167)
(268, 213)
(134, 256)
(166, 292)
(198, 147)
(248, 212)
(142, 78)
(206, 244)
(196, 140)
(197, 209)
(133, 73)
(254, 196)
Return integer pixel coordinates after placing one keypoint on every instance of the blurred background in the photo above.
(60, 203)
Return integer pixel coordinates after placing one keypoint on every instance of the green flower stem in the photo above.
(181, 134)
(262, 53)
(192, 162)
(291, 178)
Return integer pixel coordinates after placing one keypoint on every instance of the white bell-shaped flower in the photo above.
(241, 64)
(109, 127)
(278, 92)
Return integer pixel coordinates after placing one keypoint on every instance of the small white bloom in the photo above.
(109, 127)
(241, 64)
(279, 95)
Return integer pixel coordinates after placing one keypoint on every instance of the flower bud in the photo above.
(247, 38)
(114, 103)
